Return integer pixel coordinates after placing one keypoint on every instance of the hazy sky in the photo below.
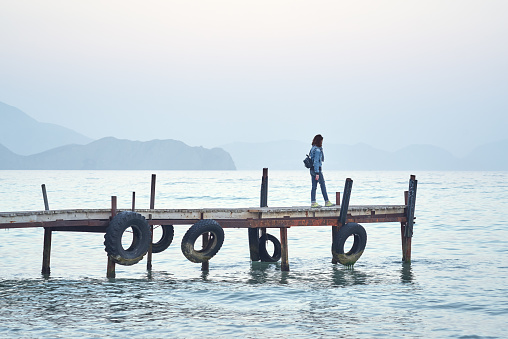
(387, 73)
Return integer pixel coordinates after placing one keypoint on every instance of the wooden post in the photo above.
(264, 189)
(284, 259)
(263, 201)
(345, 202)
(46, 251)
(254, 232)
(348, 185)
(406, 228)
(133, 201)
(45, 197)
(406, 242)
(411, 203)
(335, 229)
(152, 206)
(110, 272)
(205, 266)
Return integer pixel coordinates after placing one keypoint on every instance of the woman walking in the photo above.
(316, 173)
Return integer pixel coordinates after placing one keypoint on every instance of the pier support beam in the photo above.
(284, 258)
(335, 229)
(406, 228)
(110, 272)
(205, 266)
(46, 252)
(152, 206)
(254, 232)
(348, 186)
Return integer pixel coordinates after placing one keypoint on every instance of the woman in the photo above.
(316, 173)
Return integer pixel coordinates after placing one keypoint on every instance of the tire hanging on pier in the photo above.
(168, 232)
(210, 248)
(359, 243)
(140, 238)
(263, 252)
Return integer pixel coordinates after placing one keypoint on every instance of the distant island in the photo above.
(114, 154)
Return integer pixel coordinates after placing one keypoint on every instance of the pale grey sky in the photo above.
(387, 73)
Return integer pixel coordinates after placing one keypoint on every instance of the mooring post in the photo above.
(335, 229)
(284, 258)
(263, 201)
(110, 272)
(133, 201)
(45, 197)
(46, 251)
(348, 185)
(152, 206)
(345, 202)
(205, 265)
(406, 228)
(254, 232)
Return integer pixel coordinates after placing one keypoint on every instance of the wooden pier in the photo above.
(256, 219)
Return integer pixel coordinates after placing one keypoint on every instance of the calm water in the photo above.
(456, 286)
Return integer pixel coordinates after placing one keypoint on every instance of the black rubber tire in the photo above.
(216, 235)
(168, 232)
(263, 253)
(356, 251)
(140, 238)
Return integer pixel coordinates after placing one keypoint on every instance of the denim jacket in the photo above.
(317, 155)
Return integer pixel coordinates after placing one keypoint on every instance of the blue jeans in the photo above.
(314, 186)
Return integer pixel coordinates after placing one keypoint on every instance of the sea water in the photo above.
(456, 285)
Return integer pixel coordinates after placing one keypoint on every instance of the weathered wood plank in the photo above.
(97, 217)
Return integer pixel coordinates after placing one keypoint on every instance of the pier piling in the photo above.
(205, 266)
(254, 233)
(335, 229)
(284, 258)
(152, 206)
(46, 252)
(406, 227)
(110, 273)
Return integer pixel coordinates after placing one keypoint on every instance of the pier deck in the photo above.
(251, 217)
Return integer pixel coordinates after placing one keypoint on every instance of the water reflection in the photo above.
(284, 277)
(348, 276)
(406, 273)
(204, 275)
(259, 271)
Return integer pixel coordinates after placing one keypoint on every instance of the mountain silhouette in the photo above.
(115, 154)
(28, 144)
(289, 155)
(24, 135)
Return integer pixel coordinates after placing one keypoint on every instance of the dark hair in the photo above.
(318, 141)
